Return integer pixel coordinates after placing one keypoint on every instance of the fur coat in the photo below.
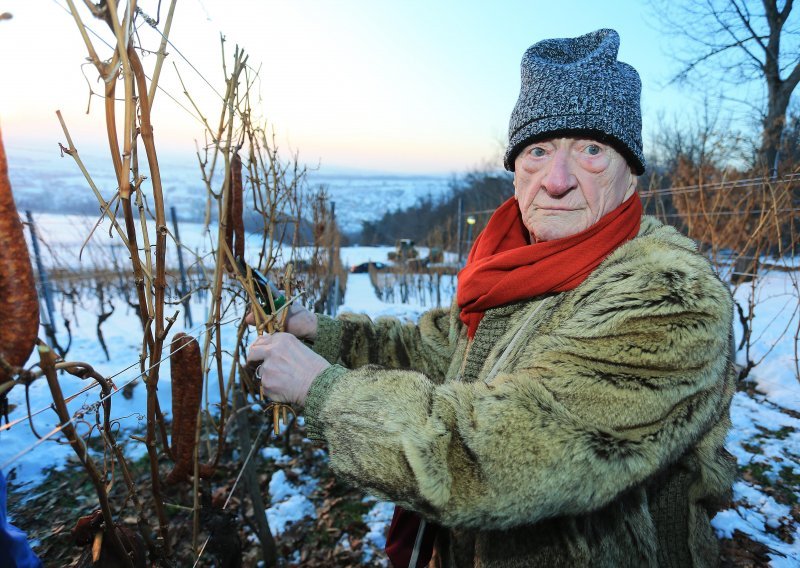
(598, 442)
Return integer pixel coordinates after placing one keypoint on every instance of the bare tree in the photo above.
(737, 42)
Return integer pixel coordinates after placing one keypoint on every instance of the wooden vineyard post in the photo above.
(187, 309)
(44, 282)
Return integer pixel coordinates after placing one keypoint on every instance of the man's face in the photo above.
(565, 185)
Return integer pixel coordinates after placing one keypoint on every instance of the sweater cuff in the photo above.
(316, 398)
(329, 338)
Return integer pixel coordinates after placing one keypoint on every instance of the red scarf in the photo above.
(504, 267)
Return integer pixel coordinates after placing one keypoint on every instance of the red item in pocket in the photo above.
(409, 542)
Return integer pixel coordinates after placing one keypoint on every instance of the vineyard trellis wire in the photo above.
(80, 413)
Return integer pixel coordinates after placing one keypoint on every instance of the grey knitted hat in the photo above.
(576, 86)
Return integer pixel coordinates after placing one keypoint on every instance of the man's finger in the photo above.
(265, 339)
(258, 353)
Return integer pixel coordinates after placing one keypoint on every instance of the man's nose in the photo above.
(559, 178)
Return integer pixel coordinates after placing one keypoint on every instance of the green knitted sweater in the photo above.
(598, 443)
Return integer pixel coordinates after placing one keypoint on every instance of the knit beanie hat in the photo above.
(576, 86)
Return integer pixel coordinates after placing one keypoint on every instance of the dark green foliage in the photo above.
(433, 222)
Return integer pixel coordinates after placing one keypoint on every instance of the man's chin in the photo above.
(550, 228)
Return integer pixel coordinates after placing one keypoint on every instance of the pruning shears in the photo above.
(263, 286)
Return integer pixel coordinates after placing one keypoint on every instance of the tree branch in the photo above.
(713, 53)
(791, 81)
(740, 43)
(745, 18)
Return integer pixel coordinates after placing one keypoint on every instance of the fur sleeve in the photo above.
(629, 374)
(388, 342)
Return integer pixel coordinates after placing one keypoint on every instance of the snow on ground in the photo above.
(760, 516)
(361, 298)
(290, 501)
(377, 519)
(773, 329)
(275, 454)
(765, 437)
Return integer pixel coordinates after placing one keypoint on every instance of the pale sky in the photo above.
(411, 86)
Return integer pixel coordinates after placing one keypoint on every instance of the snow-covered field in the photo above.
(48, 182)
(765, 437)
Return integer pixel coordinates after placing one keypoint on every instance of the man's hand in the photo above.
(299, 322)
(286, 367)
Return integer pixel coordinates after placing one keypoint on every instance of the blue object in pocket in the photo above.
(14, 549)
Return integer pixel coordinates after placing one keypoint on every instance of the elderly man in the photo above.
(571, 408)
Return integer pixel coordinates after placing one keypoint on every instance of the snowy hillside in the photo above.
(47, 182)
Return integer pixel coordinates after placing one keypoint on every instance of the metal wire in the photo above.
(95, 385)
(60, 427)
(695, 214)
(733, 184)
(679, 190)
(189, 63)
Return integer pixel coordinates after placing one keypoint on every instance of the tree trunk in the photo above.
(774, 123)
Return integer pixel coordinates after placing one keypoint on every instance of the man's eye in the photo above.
(537, 152)
(592, 149)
